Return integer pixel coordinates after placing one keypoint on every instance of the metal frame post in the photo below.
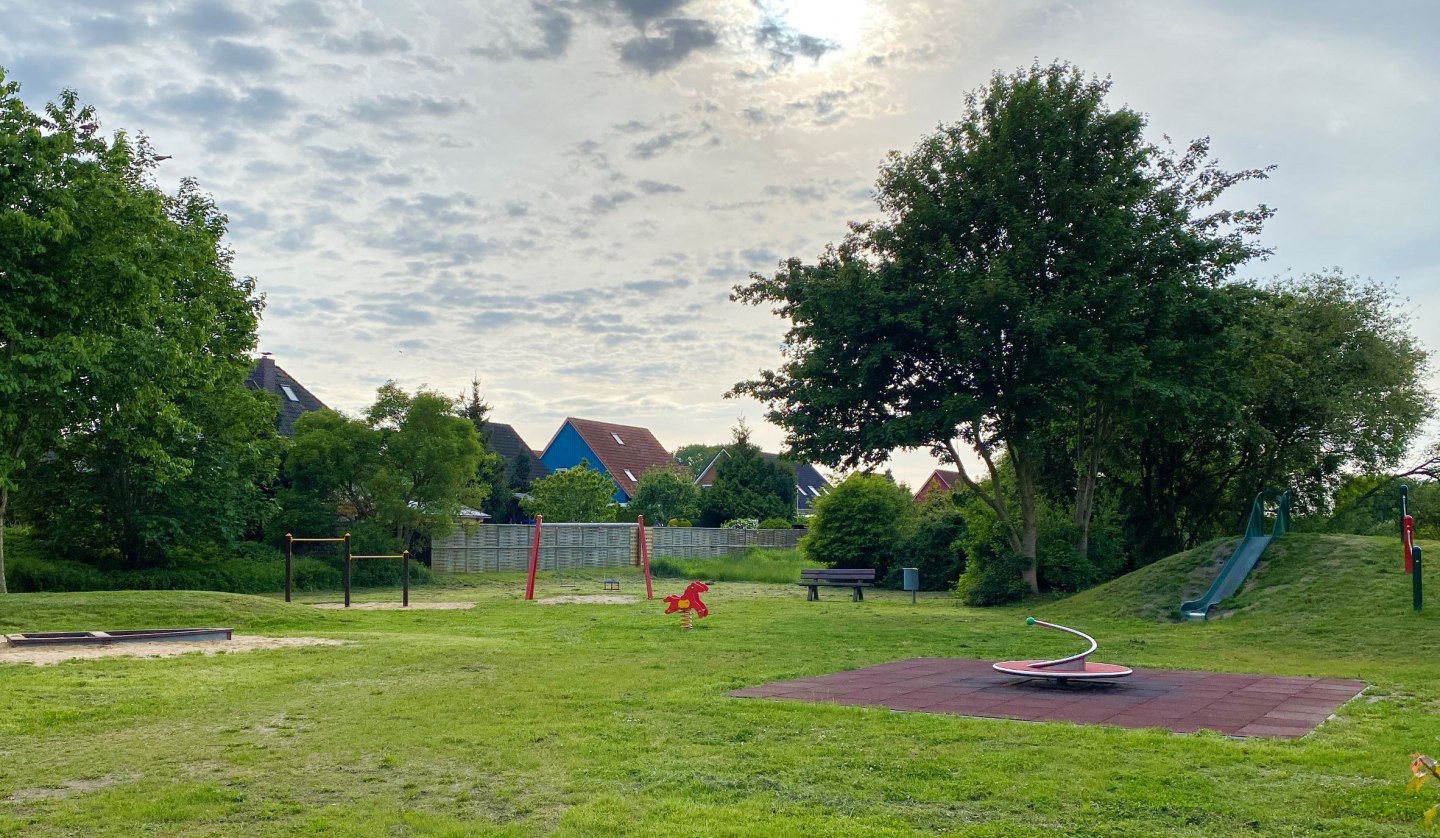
(289, 556)
(645, 557)
(534, 559)
(1417, 592)
(348, 560)
(405, 577)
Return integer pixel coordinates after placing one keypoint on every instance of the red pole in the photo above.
(1407, 540)
(534, 559)
(645, 557)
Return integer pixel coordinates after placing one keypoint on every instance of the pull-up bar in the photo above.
(290, 542)
(403, 556)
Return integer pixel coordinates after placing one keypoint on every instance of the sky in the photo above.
(557, 196)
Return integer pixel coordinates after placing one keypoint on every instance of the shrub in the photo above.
(678, 522)
(860, 523)
(933, 547)
(741, 524)
(775, 524)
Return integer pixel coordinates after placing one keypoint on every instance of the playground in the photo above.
(512, 718)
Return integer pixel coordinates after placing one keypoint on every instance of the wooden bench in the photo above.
(853, 578)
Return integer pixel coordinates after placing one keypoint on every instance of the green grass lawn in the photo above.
(517, 718)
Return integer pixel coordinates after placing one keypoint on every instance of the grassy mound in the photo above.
(99, 610)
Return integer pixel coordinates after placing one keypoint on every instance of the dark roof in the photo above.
(809, 483)
(940, 480)
(622, 447)
(295, 400)
(503, 440)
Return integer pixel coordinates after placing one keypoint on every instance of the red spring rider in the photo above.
(687, 602)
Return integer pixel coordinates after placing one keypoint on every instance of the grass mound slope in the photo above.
(100, 610)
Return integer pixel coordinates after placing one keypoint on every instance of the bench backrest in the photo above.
(837, 574)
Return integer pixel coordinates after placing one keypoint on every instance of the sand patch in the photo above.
(594, 599)
(67, 788)
(45, 655)
(395, 606)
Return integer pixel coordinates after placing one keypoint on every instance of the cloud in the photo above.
(346, 159)
(785, 43)
(301, 14)
(642, 12)
(211, 104)
(678, 39)
(600, 204)
(554, 27)
(109, 30)
(655, 286)
(365, 42)
(211, 19)
(652, 187)
(517, 209)
(226, 57)
(662, 142)
(392, 107)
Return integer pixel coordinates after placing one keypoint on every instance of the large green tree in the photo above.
(124, 338)
(664, 493)
(747, 485)
(1030, 277)
(574, 495)
(408, 464)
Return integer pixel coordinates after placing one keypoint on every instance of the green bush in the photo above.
(678, 522)
(860, 523)
(933, 547)
(775, 524)
(992, 569)
(756, 564)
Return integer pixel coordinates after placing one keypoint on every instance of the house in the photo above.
(940, 480)
(622, 452)
(809, 484)
(295, 400)
(503, 440)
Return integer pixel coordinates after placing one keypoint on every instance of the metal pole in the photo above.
(289, 554)
(1417, 594)
(534, 559)
(405, 575)
(347, 570)
(645, 557)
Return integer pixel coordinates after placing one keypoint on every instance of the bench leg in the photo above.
(859, 595)
(812, 593)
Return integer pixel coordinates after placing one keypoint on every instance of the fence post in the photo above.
(289, 555)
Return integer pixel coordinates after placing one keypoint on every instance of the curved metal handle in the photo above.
(1074, 661)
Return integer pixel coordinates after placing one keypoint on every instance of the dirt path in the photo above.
(45, 655)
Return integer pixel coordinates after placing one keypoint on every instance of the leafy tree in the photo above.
(696, 456)
(933, 545)
(1033, 262)
(860, 523)
(666, 492)
(1320, 379)
(575, 495)
(408, 465)
(747, 485)
(124, 338)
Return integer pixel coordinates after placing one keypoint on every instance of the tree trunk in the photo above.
(1029, 520)
(4, 505)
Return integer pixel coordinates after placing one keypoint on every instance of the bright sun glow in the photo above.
(841, 21)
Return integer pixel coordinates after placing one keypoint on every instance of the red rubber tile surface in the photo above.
(1177, 700)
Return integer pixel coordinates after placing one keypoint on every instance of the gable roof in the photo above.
(940, 480)
(503, 440)
(810, 484)
(295, 400)
(620, 448)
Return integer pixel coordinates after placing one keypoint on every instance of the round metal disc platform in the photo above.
(1092, 672)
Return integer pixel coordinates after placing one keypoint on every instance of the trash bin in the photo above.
(912, 580)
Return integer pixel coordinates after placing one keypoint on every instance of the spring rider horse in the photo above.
(687, 602)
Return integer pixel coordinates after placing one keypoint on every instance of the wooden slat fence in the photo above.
(491, 548)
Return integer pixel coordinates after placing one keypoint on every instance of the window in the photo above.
(289, 393)
(628, 474)
(814, 492)
(618, 440)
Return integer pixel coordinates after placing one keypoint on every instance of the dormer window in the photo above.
(289, 394)
(618, 441)
(628, 474)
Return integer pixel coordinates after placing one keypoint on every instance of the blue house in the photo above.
(621, 452)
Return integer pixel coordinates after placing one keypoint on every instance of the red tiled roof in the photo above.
(621, 447)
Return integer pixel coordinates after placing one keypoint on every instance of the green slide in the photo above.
(1238, 566)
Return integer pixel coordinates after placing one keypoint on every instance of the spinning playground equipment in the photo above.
(688, 601)
(1061, 670)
